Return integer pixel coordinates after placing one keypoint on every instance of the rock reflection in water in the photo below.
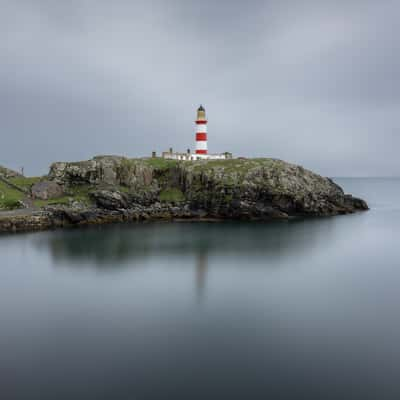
(118, 247)
(113, 246)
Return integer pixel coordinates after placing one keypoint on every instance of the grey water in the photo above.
(299, 309)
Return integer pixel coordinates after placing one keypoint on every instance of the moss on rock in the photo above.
(172, 195)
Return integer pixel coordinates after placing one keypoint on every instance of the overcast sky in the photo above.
(312, 82)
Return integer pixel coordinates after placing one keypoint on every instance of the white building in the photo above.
(194, 156)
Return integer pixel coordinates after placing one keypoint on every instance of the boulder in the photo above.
(110, 199)
(46, 190)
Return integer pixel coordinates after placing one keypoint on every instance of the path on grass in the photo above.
(27, 200)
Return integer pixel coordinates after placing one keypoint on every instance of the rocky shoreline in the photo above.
(66, 217)
(113, 189)
(63, 217)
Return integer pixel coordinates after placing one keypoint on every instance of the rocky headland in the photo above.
(116, 189)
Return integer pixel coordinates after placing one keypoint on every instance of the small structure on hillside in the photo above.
(201, 152)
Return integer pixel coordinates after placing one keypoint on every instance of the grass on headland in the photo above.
(9, 197)
(25, 182)
(160, 163)
(239, 167)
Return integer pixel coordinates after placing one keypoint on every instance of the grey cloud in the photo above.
(313, 82)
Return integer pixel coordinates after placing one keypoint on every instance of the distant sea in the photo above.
(302, 309)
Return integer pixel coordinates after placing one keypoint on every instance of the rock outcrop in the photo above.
(110, 199)
(262, 188)
(110, 188)
(103, 170)
(8, 173)
(253, 188)
(46, 190)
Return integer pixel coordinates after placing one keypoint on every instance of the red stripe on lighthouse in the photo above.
(201, 151)
(201, 122)
(201, 136)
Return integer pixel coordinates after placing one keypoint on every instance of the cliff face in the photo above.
(253, 188)
(103, 170)
(261, 188)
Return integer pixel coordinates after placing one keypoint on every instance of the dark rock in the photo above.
(261, 188)
(108, 170)
(46, 190)
(144, 196)
(356, 203)
(110, 199)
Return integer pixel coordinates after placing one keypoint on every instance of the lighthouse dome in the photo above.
(201, 113)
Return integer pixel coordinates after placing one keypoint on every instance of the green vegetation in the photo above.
(25, 182)
(237, 165)
(160, 163)
(9, 197)
(228, 198)
(128, 162)
(124, 189)
(220, 176)
(78, 193)
(65, 200)
(10, 204)
(232, 171)
(172, 195)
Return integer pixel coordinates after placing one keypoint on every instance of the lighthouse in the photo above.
(201, 150)
(201, 131)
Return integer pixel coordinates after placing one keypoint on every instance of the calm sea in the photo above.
(306, 309)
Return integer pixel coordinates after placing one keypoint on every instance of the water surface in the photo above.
(299, 309)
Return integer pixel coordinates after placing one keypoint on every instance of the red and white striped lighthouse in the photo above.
(201, 131)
